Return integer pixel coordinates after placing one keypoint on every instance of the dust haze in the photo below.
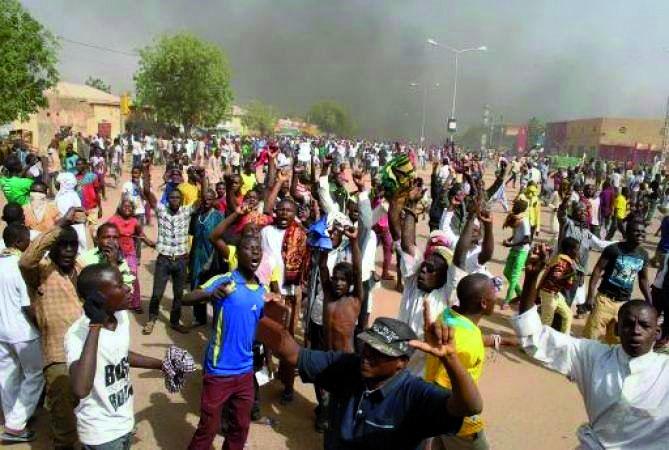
(551, 59)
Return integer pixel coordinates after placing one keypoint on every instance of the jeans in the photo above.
(168, 267)
(236, 392)
(122, 443)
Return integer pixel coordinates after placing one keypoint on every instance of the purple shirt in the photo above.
(606, 201)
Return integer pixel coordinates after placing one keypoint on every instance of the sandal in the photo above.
(148, 327)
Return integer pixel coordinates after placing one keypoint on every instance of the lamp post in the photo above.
(456, 52)
(422, 123)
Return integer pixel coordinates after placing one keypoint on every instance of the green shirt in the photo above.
(16, 189)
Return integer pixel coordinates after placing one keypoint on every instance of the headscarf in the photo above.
(67, 196)
(38, 204)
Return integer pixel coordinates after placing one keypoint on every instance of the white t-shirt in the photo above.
(615, 179)
(594, 210)
(131, 192)
(455, 274)
(520, 232)
(106, 413)
(14, 326)
(117, 155)
(137, 149)
(272, 241)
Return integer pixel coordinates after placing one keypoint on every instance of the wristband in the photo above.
(94, 325)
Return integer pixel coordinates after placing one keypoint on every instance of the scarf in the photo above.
(38, 204)
(294, 253)
(397, 174)
(67, 197)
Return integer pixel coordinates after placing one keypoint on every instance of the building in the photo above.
(233, 125)
(634, 140)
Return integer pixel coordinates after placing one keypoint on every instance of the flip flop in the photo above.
(25, 436)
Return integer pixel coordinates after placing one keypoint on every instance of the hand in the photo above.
(94, 309)
(111, 252)
(484, 215)
(416, 194)
(351, 233)
(439, 338)
(272, 297)
(69, 217)
(537, 259)
(283, 176)
(243, 209)
(358, 180)
(224, 290)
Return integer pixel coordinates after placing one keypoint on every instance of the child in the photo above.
(558, 279)
(238, 299)
(520, 246)
(342, 294)
(130, 229)
(99, 358)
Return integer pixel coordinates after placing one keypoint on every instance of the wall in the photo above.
(630, 132)
(105, 113)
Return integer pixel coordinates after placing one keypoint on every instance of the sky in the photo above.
(555, 60)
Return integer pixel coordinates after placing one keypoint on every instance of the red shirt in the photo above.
(87, 186)
(126, 229)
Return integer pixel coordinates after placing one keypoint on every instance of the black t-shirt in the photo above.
(621, 270)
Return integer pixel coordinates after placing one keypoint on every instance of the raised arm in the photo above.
(408, 240)
(148, 195)
(82, 371)
(273, 194)
(356, 254)
(276, 338)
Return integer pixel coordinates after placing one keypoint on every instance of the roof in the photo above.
(80, 91)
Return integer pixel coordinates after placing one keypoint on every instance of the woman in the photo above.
(203, 223)
(129, 229)
(41, 214)
(67, 198)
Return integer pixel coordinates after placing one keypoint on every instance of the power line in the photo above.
(98, 47)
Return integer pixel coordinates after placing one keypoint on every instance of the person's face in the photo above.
(580, 213)
(636, 233)
(64, 253)
(589, 191)
(489, 298)
(285, 214)
(127, 209)
(38, 188)
(136, 174)
(250, 253)
(80, 166)
(376, 365)
(208, 199)
(220, 190)
(174, 200)
(116, 293)
(235, 183)
(353, 211)
(431, 274)
(108, 237)
(340, 285)
(251, 199)
(638, 331)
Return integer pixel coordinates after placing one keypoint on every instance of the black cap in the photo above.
(389, 336)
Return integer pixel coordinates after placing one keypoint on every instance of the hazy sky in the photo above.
(555, 59)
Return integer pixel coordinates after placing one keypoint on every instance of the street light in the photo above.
(422, 125)
(457, 52)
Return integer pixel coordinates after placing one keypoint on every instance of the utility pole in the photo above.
(665, 133)
(486, 126)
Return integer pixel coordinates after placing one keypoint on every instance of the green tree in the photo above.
(97, 83)
(185, 80)
(28, 62)
(260, 117)
(535, 131)
(331, 118)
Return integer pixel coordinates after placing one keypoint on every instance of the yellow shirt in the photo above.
(190, 193)
(620, 205)
(471, 353)
(248, 183)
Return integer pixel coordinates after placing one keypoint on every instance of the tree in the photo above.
(260, 117)
(535, 132)
(331, 118)
(185, 80)
(28, 66)
(97, 83)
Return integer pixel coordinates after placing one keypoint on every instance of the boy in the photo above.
(559, 278)
(98, 358)
(238, 299)
(21, 379)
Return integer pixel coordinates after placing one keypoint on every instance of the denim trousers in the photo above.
(174, 268)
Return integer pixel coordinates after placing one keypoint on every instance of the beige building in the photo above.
(78, 107)
(591, 136)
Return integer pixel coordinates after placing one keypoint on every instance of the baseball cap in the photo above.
(389, 336)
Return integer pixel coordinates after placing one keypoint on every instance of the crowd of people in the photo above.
(280, 237)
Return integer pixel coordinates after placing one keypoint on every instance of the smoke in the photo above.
(553, 60)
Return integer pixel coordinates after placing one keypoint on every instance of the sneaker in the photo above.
(23, 436)
(148, 327)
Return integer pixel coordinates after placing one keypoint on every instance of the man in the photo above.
(89, 187)
(617, 268)
(51, 286)
(70, 160)
(238, 299)
(98, 358)
(172, 247)
(107, 251)
(624, 387)
(15, 185)
(375, 403)
(21, 379)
